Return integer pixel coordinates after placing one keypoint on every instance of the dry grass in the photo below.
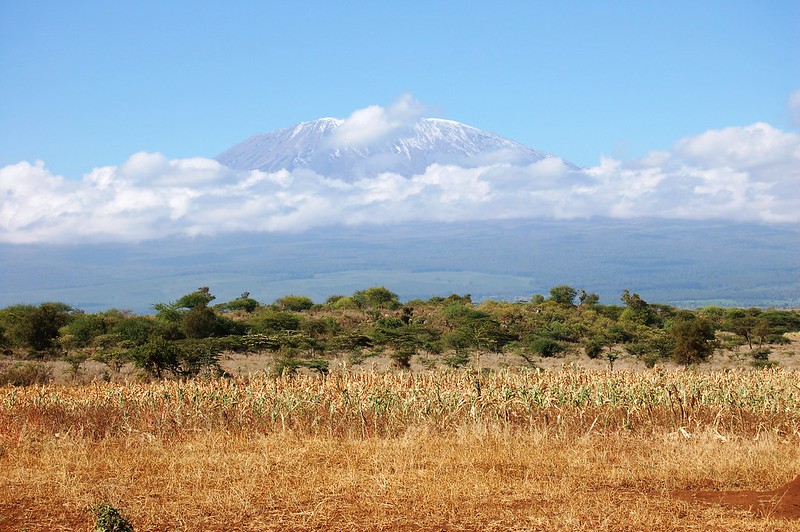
(569, 450)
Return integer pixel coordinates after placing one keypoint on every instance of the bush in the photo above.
(285, 364)
(243, 303)
(271, 321)
(294, 303)
(114, 358)
(137, 330)
(778, 339)
(318, 365)
(563, 295)
(694, 340)
(376, 297)
(357, 356)
(342, 302)
(199, 322)
(25, 374)
(594, 347)
(401, 358)
(108, 519)
(546, 347)
(196, 356)
(762, 353)
(457, 359)
(156, 357)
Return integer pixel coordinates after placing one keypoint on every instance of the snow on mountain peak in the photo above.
(349, 153)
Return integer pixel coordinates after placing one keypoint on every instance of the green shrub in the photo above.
(286, 363)
(157, 356)
(294, 303)
(778, 339)
(761, 353)
(650, 359)
(457, 359)
(243, 303)
(108, 519)
(318, 365)
(546, 347)
(594, 347)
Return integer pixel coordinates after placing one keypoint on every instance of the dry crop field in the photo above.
(568, 449)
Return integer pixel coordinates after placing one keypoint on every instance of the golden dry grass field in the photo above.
(568, 449)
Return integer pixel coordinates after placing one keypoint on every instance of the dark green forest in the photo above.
(187, 337)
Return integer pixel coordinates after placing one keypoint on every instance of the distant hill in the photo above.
(687, 264)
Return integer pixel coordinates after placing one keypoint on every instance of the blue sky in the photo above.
(87, 84)
(111, 111)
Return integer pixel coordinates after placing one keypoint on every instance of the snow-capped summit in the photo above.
(335, 148)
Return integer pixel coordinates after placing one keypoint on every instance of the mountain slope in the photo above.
(325, 147)
(684, 263)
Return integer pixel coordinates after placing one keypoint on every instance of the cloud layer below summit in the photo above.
(749, 173)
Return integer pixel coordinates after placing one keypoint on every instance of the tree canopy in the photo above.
(188, 335)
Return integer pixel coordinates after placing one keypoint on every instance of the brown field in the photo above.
(568, 449)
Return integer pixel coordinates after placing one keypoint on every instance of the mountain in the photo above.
(335, 148)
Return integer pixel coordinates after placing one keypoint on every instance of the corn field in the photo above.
(571, 402)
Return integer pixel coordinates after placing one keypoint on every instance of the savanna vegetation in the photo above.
(188, 336)
(320, 441)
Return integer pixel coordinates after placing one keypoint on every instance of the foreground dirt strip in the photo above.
(782, 502)
(419, 481)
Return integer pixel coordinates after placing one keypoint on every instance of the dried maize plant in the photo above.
(568, 402)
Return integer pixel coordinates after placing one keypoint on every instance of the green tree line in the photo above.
(187, 336)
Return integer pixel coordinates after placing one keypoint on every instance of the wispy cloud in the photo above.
(747, 173)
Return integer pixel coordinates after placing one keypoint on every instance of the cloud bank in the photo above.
(747, 173)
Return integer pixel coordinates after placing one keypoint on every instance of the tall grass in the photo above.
(572, 402)
(461, 450)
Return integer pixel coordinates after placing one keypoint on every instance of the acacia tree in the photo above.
(15, 321)
(199, 298)
(157, 356)
(242, 303)
(740, 322)
(82, 331)
(191, 317)
(294, 303)
(694, 340)
(376, 297)
(199, 322)
(4, 341)
(637, 310)
(36, 328)
(563, 295)
(405, 339)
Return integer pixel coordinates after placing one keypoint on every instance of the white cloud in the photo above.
(372, 124)
(753, 146)
(748, 173)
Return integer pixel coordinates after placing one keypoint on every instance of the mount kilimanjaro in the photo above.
(334, 148)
